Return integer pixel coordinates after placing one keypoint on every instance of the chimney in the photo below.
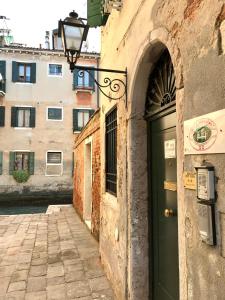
(47, 43)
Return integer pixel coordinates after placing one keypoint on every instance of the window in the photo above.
(54, 163)
(21, 160)
(55, 70)
(54, 113)
(23, 72)
(111, 151)
(2, 77)
(81, 117)
(2, 116)
(23, 117)
(83, 80)
(1, 162)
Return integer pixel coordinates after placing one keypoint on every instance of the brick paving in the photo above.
(50, 257)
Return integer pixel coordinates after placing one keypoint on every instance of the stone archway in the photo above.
(138, 268)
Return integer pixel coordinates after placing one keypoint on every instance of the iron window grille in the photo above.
(111, 152)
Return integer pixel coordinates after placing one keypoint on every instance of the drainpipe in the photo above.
(98, 59)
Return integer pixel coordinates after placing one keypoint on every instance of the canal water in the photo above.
(23, 209)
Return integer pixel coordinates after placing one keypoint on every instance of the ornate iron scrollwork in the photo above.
(161, 89)
(113, 89)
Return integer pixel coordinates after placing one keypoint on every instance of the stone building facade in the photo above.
(87, 177)
(180, 45)
(42, 105)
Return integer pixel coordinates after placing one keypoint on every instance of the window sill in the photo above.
(21, 128)
(23, 83)
(84, 90)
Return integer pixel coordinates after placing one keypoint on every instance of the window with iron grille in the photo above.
(111, 151)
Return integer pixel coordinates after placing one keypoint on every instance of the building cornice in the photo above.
(42, 51)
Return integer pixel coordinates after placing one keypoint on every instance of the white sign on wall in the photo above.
(170, 148)
(205, 134)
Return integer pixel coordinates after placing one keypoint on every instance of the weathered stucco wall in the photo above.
(89, 135)
(193, 31)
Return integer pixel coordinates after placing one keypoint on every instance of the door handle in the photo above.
(168, 212)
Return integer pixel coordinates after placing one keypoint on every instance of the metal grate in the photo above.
(111, 151)
(161, 89)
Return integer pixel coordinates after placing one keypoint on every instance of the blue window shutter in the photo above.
(75, 79)
(95, 16)
(11, 162)
(15, 71)
(91, 79)
(1, 162)
(32, 117)
(2, 116)
(14, 120)
(3, 73)
(33, 73)
(31, 163)
(75, 120)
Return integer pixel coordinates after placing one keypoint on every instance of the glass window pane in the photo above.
(86, 117)
(28, 71)
(55, 113)
(54, 157)
(80, 119)
(20, 117)
(21, 71)
(27, 117)
(55, 69)
(86, 79)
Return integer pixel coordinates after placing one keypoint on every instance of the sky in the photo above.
(30, 19)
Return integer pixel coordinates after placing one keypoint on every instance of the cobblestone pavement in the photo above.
(50, 257)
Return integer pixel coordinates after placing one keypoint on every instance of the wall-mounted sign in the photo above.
(170, 148)
(170, 186)
(190, 180)
(205, 134)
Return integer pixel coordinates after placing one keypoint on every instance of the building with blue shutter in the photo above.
(42, 107)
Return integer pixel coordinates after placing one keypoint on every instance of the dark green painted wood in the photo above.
(91, 79)
(15, 71)
(3, 73)
(11, 162)
(33, 73)
(2, 116)
(1, 162)
(32, 117)
(95, 15)
(165, 230)
(75, 79)
(14, 119)
(91, 112)
(75, 120)
(31, 163)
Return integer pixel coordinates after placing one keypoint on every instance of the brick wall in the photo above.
(90, 131)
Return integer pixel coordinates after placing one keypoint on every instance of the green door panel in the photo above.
(165, 229)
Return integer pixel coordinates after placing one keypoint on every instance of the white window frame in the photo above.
(52, 164)
(52, 75)
(54, 120)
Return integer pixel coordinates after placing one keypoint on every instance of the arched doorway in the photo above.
(160, 114)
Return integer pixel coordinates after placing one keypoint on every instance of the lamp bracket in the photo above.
(117, 87)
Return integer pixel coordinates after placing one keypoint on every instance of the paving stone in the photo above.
(18, 295)
(17, 286)
(78, 289)
(4, 283)
(36, 284)
(56, 292)
(74, 276)
(55, 271)
(38, 270)
(99, 283)
(19, 276)
(55, 280)
(39, 261)
(36, 296)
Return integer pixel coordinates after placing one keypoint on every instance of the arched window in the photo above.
(161, 92)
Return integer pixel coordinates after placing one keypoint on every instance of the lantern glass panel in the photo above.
(73, 36)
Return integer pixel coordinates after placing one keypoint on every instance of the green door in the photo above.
(163, 178)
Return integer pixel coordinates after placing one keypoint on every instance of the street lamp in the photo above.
(73, 31)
